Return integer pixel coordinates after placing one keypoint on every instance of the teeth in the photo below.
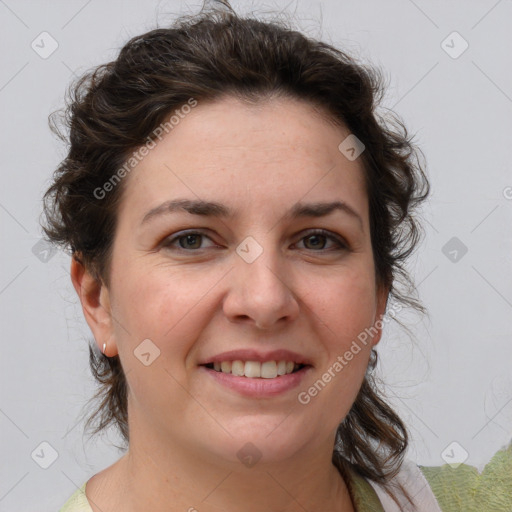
(281, 367)
(252, 369)
(238, 368)
(268, 370)
(225, 366)
(255, 369)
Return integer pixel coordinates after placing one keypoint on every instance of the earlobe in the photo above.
(95, 301)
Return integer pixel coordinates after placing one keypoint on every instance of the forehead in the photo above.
(253, 157)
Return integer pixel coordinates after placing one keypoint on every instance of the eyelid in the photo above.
(338, 239)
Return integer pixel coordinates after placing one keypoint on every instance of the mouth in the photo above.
(256, 369)
(257, 380)
(256, 374)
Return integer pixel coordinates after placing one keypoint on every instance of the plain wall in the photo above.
(452, 382)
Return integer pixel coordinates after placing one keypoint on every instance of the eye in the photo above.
(188, 241)
(316, 239)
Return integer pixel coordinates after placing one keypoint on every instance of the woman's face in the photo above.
(251, 276)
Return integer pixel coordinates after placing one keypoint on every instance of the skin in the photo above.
(303, 294)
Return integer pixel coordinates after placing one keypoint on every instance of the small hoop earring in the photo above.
(104, 347)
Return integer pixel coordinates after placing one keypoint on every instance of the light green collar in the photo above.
(363, 495)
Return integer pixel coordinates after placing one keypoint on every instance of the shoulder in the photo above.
(77, 502)
(411, 478)
(462, 487)
(454, 487)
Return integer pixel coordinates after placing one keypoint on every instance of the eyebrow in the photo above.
(214, 209)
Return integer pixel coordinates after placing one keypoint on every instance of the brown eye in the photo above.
(316, 241)
(190, 241)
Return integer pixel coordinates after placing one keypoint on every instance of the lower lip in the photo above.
(259, 387)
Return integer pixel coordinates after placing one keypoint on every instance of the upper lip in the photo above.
(256, 355)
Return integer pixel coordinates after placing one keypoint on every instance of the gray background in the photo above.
(452, 382)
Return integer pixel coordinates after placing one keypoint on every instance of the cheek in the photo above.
(346, 310)
(163, 304)
(346, 304)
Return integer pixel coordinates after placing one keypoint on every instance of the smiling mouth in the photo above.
(255, 369)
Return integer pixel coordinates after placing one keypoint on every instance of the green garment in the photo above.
(364, 498)
(465, 490)
(460, 489)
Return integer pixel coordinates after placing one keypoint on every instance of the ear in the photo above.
(95, 300)
(382, 300)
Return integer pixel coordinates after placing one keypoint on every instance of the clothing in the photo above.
(365, 496)
(78, 502)
(433, 489)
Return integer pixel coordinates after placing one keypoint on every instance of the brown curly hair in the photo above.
(114, 109)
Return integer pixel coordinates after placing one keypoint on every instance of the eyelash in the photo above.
(342, 245)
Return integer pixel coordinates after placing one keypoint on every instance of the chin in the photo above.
(261, 441)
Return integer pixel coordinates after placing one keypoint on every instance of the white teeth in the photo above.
(252, 369)
(237, 368)
(255, 369)
(269, 370)
(225, 366)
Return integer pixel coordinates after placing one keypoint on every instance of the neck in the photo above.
(174, 479)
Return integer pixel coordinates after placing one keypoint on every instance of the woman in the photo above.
(238, 217)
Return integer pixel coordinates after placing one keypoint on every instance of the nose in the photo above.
(261, 293)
